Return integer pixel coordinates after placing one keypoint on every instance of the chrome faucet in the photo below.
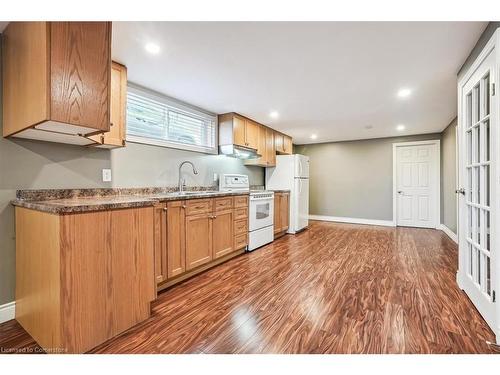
(182, 182)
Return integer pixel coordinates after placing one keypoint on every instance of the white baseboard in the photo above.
(448, 232)
(7, 311)
(385, 223)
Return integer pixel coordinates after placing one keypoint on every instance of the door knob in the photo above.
(460, 191)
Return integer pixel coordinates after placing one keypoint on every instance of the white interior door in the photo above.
(417, 184)
(478, 149)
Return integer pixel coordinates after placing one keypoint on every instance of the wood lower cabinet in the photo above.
(223, 233)
(83, 278)
(176, 238)
(160, 242)
(56, 80)
(281, 213)
(194, 234)
(198, 240)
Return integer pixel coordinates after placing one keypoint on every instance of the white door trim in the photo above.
(437, 168)
(493, 45)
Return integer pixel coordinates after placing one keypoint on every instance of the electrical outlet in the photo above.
(106, 175)
(216, 177)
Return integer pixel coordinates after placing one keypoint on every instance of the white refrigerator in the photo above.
(292, 173)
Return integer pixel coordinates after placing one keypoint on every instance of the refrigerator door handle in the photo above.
(300, 167)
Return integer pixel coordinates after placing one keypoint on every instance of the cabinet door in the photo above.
(160, 238)
(80, 61)
(198, 240)
(223, 233)
(132, 251)
(284, 209)
(239, 131)
(251, 134)
(116, 134)
(261, 149)
(176, 236)
(278, 142)
(277, 213)
(287, 145)
(270, 148)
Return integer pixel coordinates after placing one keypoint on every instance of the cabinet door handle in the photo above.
(165, 209)
(183, 206)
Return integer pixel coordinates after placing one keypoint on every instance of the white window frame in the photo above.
(175, 104)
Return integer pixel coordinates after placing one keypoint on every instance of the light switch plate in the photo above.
(216, 177)
(106, 175)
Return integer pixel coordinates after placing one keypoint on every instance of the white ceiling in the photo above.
(328, 78)
(332, 79)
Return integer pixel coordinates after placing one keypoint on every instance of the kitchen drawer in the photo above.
(241, 227)
(224, 203)
(241, 201)
(198, 206)
(241, 213)
(240, 241)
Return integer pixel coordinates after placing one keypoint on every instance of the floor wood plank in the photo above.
(334, 288)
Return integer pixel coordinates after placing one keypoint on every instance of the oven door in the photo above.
(261, 213)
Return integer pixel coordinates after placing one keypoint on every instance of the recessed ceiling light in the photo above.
(314, 136)
(274, 114)
(400, 128)
(152, 48)
(404, 93)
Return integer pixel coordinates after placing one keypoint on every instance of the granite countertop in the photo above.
(65, 201)
(280, 190)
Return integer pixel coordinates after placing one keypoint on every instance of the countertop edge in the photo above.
(55, 206)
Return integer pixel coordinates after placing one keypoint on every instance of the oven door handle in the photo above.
(261, 199)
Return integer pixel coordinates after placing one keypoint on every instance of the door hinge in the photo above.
(493, 296)
(492, 89)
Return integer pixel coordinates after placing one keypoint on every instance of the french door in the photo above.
(478, 177)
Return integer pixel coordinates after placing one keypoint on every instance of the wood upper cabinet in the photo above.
(239, 133)
(281, 212)
(56, 80)
(235, 129)
(252, 134)
(238, 130)
(270, 148)
(116, 135)
(287, 145)
(266, 149)
(283, 143)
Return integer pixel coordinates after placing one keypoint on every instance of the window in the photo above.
(158, 120)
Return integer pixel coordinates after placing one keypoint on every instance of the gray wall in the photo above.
(483, 39)
(38, 165)
(353, 179)
(449, 176)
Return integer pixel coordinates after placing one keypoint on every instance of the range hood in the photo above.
(239, 152)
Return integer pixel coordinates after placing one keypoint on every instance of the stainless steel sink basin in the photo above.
(208, 192)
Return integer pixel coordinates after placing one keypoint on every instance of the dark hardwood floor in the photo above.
(335, 288)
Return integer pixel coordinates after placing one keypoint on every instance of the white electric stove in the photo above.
(260, 210)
